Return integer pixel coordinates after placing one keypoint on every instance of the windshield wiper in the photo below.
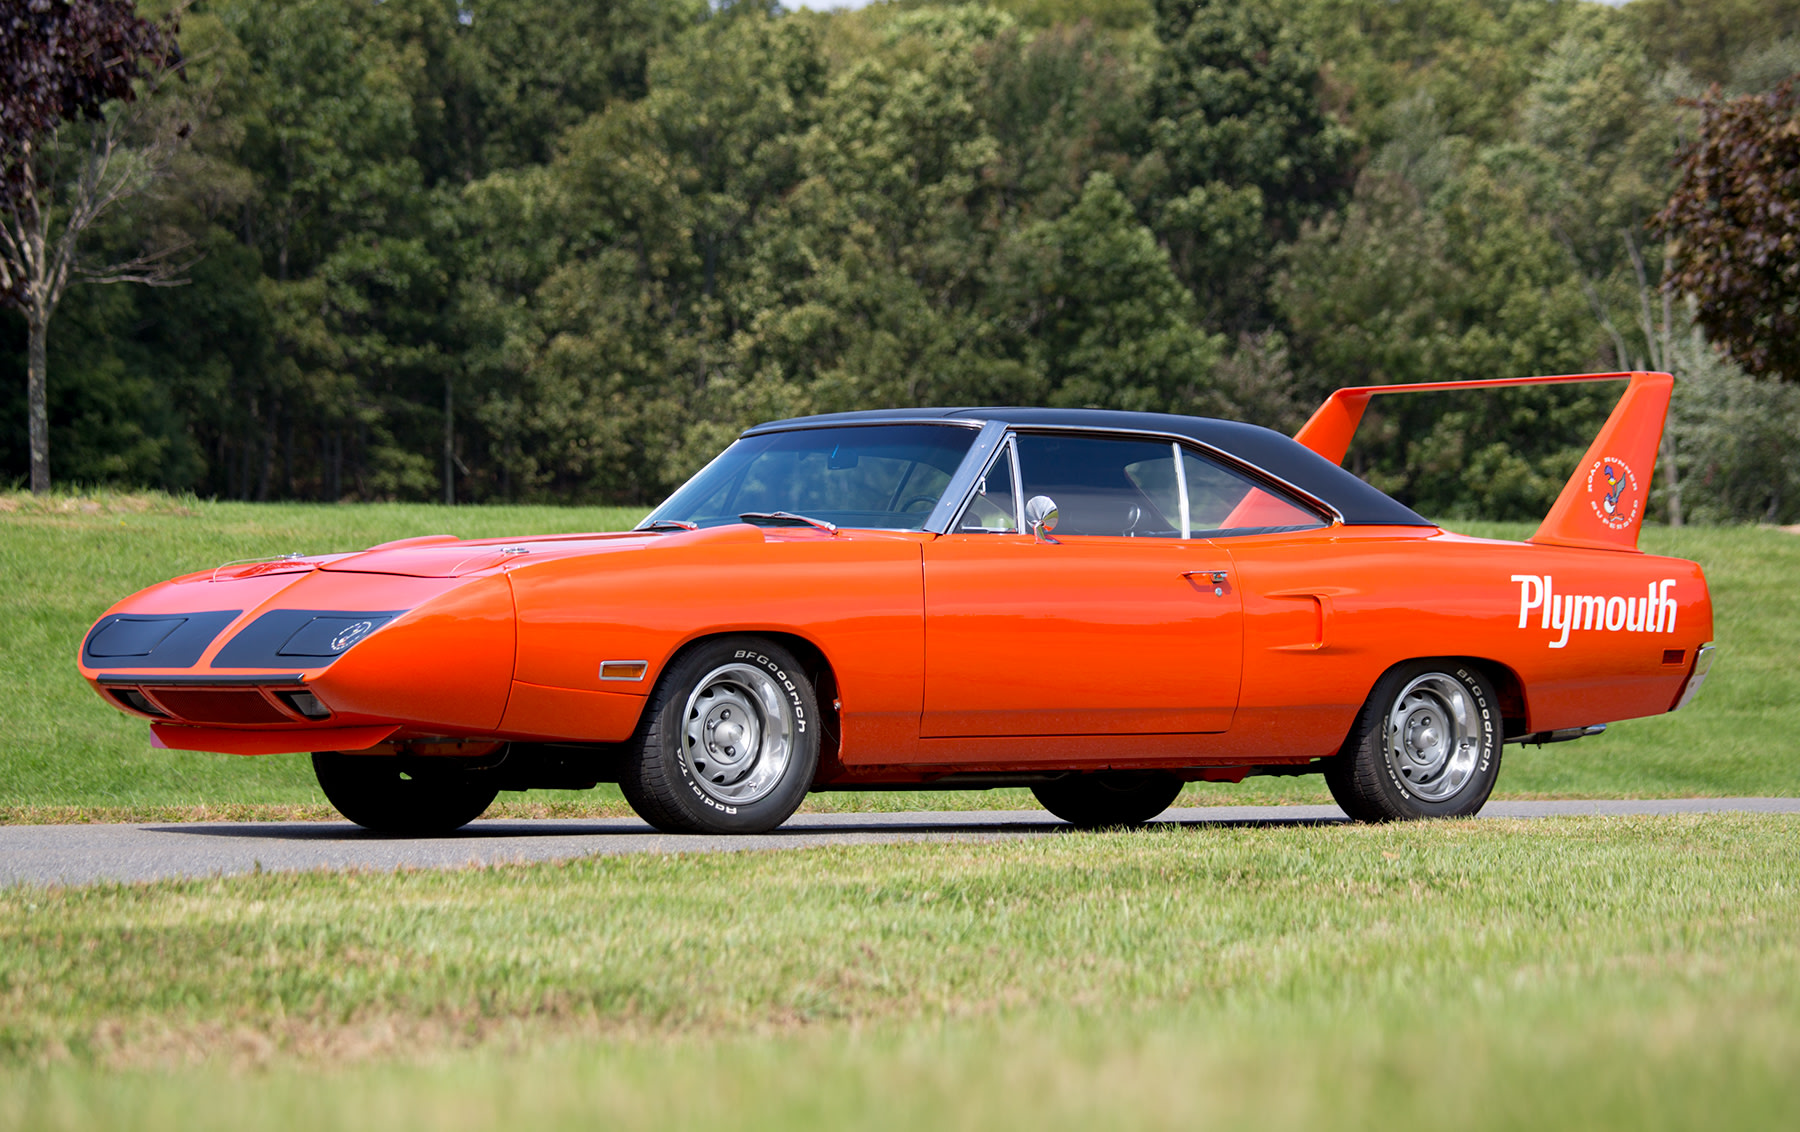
(668, 525)
(785, 519)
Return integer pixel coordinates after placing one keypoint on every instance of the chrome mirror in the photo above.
(1040, 513)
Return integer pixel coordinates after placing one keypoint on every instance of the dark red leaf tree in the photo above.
(1734, 223)
(62, 63)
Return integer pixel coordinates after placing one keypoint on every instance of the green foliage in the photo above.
(1712, 39)
(1734, 437)
(1732, 219)
(1247, 147)
(563, 251)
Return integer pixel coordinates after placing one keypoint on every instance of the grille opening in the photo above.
(306, 704)
(1674, 656)
(137, 701)
(221, 705)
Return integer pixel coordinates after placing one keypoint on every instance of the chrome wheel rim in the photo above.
(1432, 741)
(737, 734)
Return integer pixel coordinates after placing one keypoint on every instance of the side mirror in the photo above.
(1040, 514)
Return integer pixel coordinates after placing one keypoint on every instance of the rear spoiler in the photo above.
(1602, 505)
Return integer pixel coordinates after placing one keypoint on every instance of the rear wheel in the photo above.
(729, 743)
(1109, 798)
(395, 794)
(1426, 744)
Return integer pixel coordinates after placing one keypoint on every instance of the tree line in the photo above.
(564, 249)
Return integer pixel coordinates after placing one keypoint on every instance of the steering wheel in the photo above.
(929, 500)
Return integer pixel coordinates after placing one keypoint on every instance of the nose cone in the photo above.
(446, 664)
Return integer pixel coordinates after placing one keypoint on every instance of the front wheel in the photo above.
(1110, 798)
(1426, 744)
(392, 794)
(729, 742)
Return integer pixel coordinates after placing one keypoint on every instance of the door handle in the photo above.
(1216, 577)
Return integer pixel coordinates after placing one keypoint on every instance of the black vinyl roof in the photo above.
(1269, 450)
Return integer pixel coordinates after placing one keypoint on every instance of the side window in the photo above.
(993, 509)
(1103, 486)
(1222, 500)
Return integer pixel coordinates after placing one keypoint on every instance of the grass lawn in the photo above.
(66, 756)
(1584, 973)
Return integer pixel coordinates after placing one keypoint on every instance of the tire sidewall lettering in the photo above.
(1476, 690)
(787, 684)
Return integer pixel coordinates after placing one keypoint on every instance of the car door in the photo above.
(1115, 625)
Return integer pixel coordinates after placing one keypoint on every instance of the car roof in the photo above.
(1269, 450)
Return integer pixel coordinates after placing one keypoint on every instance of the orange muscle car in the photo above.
(1097, 605)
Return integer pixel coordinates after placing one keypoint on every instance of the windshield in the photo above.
(887, 477)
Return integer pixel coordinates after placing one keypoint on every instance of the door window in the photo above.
(1103, 486)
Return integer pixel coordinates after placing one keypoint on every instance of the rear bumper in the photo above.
(1703, 659)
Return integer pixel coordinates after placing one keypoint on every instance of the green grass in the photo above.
(65, 755)
(1616, 973)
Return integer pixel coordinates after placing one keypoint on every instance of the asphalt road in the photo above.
(79, 854)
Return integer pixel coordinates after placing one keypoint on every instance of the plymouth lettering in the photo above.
(1610, 613)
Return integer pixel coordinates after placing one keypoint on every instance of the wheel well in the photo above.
(1511, 691)
(818, 670)
(1508, 688)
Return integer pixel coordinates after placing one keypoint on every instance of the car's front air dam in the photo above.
(232, 741)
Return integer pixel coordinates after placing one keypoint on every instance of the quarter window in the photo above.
(1224, 501)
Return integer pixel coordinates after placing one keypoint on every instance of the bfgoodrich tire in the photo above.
(1110, 798)
(1425, 745)
(392, 794)
(729, 742)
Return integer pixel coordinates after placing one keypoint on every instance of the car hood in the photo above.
(442, 556)
(446, 557)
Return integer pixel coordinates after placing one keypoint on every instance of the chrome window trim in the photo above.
(1011, 448)
(1181, 492)
(802, 426)
(961, 487)
(1329, 513)
(1009, 452)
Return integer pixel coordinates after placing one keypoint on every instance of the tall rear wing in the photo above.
(1602, 505)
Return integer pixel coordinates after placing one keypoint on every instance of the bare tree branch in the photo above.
(164, 267)
(1596, 301)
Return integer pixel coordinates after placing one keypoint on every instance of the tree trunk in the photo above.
(37, 407)
(449, 445)
(1671, 477)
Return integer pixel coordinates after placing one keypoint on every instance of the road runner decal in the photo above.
(1564, 613)
(1612, 492)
